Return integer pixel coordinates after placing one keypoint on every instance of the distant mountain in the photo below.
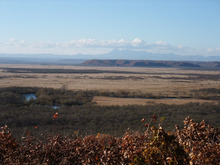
(150, 63)
(143, 55)
(113, 55)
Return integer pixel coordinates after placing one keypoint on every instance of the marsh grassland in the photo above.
(161, 82)
(104, 99)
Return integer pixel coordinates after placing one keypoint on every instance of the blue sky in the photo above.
(185, 27)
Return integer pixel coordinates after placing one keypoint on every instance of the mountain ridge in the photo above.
(117, 54)
(150, 63)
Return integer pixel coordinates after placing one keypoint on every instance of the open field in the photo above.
(170, 82)
(109, 101)
(123, 96)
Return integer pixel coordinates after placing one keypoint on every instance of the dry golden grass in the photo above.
(158, 81)
(109, 101)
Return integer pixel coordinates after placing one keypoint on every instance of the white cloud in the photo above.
(93, 46)
(162, 43)
(82, 42)
(180, 46)
(137, 42)
(215, 51)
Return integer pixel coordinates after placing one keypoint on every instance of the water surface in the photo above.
(30, 96)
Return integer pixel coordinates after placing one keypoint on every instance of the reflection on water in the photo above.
(55, 107)
(30, 96)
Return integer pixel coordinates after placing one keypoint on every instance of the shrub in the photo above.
(197, 143)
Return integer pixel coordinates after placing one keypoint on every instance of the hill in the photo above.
(151, 63)
(112, 55)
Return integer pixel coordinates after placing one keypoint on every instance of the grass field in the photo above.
(109, 101)
(169, 82)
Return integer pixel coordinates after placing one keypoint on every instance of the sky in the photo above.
(68, 27)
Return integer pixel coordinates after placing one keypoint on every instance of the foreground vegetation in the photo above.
(197, 143)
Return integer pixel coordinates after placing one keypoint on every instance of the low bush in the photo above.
(197, 143)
